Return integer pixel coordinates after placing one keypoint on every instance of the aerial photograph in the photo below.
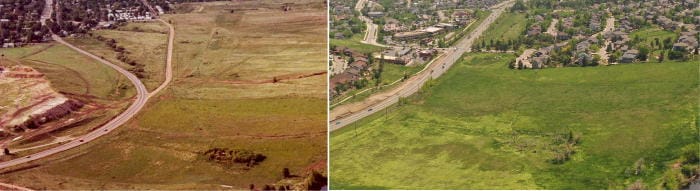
(514, 94)
(163, 94)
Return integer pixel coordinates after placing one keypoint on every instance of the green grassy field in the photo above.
(393, 72)
(355, 43)
(153, 27)
(507, 27)
(484, 126)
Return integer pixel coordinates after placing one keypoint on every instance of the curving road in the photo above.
(347, 114)
(142, 96)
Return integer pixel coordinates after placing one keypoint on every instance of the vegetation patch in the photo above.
(227, 157)
(484, 126)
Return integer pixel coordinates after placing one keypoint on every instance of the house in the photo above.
(582, 46)
(359, 65)
(629, 56)
(338, 35)
(375, 14)
(563, 36)
(427, 54)
(539, 18)
(680, 46)
(534, 30)
(341, 79)
(539, 62)
(353, 71)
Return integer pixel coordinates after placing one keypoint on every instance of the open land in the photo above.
(484, 126)
(250, 80)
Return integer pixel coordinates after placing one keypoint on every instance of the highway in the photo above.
(347, 114)
(142, 96)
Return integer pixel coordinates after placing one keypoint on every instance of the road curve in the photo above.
(139, 102)
(414, 83)
(142, 96)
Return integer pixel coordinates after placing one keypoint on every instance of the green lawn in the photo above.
(507, 27)
(484, 126)
(393, 72)
(355, 43)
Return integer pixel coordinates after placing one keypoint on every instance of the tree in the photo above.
(676, 55)
(518, 6)
(661, 56)
(285, 173)
(643, 52)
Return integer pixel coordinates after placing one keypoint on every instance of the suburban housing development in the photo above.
(520, 94)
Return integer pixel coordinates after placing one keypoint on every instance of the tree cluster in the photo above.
(232, 156)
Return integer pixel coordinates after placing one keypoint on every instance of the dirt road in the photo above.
(346, 114)
(552, 29)
(603, 51)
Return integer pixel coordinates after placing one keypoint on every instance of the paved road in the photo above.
(46, 13)
(142, 96)
(345, 114)
(372, 29)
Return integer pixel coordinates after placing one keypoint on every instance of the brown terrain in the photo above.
(29, 102)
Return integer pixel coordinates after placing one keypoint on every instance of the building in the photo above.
(629, 56)
(375, 14)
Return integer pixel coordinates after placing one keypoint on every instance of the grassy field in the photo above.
(484, 126)
(72, 72)
(393, 72)
(151, 27)
(507, 27)
(147, 48)
(218, 98)
(355, 43)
